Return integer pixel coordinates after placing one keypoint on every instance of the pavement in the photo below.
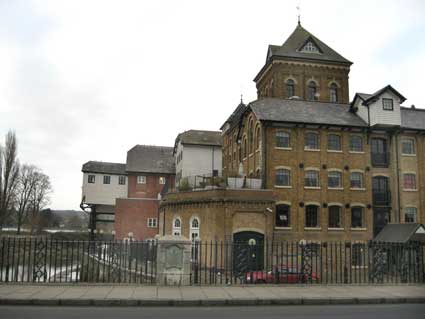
(139, 295)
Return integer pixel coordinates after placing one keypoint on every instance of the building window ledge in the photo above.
(335, 228)
(313, 228)
(282, 186)
(311, 150)
(283, 148)
(355, 152)
(334, 151)
(358, 229)
(357, 189)
(409, 190)
(336, 188)
(282, 228)
(251, 155)
(409, 155)
(311, 187)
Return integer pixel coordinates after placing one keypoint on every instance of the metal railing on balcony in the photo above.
(381, 198)
(380, 159)
(207, 182)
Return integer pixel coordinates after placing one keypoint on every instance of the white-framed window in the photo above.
(356, 180)
(141, 179)
(410, 214)
(311, 141)
(311, 178)
(334, 216)
(356, 143)
(152, 222)
(334, 142)
(310, 48)
(387, 104)
(409, 181)
(177, 227)
(162, 180)
(408, 147)
(106, 179)
(194, 228)
(91, 179)
(121, 180)
(334, 179)
(283, 177)
(282, 139)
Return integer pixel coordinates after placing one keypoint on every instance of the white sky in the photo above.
(87, 80)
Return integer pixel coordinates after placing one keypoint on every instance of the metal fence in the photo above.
(213, 263)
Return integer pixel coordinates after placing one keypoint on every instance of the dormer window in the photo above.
(310, 48)
(311, 91)
(387, 104)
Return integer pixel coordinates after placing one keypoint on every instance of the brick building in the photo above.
(333, 170)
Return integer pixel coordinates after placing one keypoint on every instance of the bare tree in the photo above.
(9, 171)
(26, 184)
(40, 196)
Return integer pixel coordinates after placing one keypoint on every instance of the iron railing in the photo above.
(213, 263)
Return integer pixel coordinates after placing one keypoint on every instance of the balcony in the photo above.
(380, 159)
(381, 198)
(208, 182)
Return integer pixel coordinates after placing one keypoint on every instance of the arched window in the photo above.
(177, 227)
(311, 91)
(283, 215)
(283, 177)
(311, 178)
(312, 216)
(357, 217)
(333, 93)
(245, 146)
(290, 88)
(334, 216)
(194, 228)
(251, 136)
(311, 141)
(282, 139)
(257, 137)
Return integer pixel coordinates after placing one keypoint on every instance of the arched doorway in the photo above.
(248, 252)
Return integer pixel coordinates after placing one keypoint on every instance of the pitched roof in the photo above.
(372, 97)
(197, 137)
(412, 118)
(103, 168)
(401, 233)
(299, 111)
(150, 159)
(235, 116)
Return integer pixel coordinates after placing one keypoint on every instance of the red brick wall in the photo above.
(150, 189)
(131, 215)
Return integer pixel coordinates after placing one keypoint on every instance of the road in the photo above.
(268, 312)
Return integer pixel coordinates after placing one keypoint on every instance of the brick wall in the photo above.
(149, 190)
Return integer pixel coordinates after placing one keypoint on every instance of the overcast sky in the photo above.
(87, 80)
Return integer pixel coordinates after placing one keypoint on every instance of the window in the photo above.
(334, 213)
(333, 93)
(282, 139)
(408, 147)
(177, 227)
(356, 180)
(257, 138)
(290, 88)
(194, 229)
(310, 48)
(251, 136)
(410, 215)
(358, 255)
(409, 181)
(334, 142)
(379, 152)
(356, 143)
(106, 179)
(283, 177)
(162, 180)
(152, 222)
(92, 179)
(311, 91)
(334, 179)
(311, 179)
(387, 104)
(311, 141)
(283, 215)
(141, 179)
(311, 216)
(356, 217)
(245, 151)
(121, 180)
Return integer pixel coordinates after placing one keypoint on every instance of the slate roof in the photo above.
(292, 47)
(104, 168)
(413, 118)
(300, 111)
(150, 159)
(399, 233)
(235, 116)
(197, 137)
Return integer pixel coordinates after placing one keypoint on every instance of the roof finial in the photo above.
(299, 14)
(241, 98)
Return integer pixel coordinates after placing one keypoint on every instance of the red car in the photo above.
(279, 274)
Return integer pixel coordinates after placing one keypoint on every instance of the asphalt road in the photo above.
(293, 312)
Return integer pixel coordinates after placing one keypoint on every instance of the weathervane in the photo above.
(299, 14)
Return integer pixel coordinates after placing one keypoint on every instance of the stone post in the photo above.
(173, 260)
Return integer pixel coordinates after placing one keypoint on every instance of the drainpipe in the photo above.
(396, 135)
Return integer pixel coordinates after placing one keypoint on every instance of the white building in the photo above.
(198, 153)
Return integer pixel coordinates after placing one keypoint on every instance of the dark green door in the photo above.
(248, 252)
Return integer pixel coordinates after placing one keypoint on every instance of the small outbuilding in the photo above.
(401, 233)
